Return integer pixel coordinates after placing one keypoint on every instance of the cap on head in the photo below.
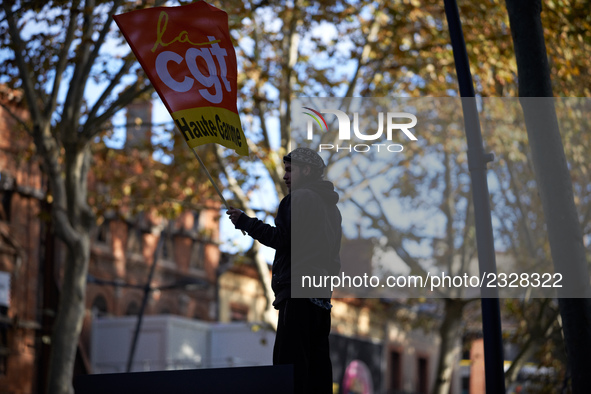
(305, 156)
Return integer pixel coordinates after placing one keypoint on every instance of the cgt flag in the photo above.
(188, 56)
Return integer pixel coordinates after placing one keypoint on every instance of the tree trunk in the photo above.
(450, 347)
(289, 51)
(68, 324)
(554, 185)
(72, 303)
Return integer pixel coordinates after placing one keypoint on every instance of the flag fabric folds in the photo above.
(187, 54)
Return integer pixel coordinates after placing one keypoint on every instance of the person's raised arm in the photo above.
(275, 237)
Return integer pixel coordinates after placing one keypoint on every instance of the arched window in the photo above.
(165, 310)
(167, 252)
(4, 349)
(197, 255)
(7, 186)
(132, 309)
(134, 239)
(103, 232)
(99, 306)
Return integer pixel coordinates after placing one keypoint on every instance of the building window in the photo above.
(197, 255)
(6, 198)
(103, 233)
(165, 310)
(132, 309)
(134, 239)
(196, 226)
(238, 312)
(7, 185)
(167, 252)
(395, 371)
(465, 384)
(199, 315)
(99, 306)
(4, 321)
(422, 375)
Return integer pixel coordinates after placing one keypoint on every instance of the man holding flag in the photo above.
(187, 54)
(307, 239)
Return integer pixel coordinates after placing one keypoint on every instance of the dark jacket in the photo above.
(306, 239)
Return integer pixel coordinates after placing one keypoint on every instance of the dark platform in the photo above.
(277, 379)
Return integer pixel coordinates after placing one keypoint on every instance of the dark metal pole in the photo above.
(477, 160)
(147, 290)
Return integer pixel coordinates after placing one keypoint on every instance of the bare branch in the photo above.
(365, 52)
(109, 89)
(100, 40)
(93, 127)
(528, 348)
(525, 223)
(16, 118)
(394, 239)
(27, 79)
(62, 62)
(275, 162)
(290, 53)
(122, 71)
(465, 255)
(75, 94)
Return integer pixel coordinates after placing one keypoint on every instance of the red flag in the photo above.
(188, 56)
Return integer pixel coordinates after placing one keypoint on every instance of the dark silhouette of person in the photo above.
(307, 239)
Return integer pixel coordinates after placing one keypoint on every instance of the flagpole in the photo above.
(210, 178)
(217, 189)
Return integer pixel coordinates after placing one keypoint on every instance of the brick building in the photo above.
(22, 235)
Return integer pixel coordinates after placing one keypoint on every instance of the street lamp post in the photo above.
(147, 290)
(477, 161)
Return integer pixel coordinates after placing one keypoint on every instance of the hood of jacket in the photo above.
(325, 189)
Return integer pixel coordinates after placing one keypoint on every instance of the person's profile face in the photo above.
(293, 176)
(288, 174)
